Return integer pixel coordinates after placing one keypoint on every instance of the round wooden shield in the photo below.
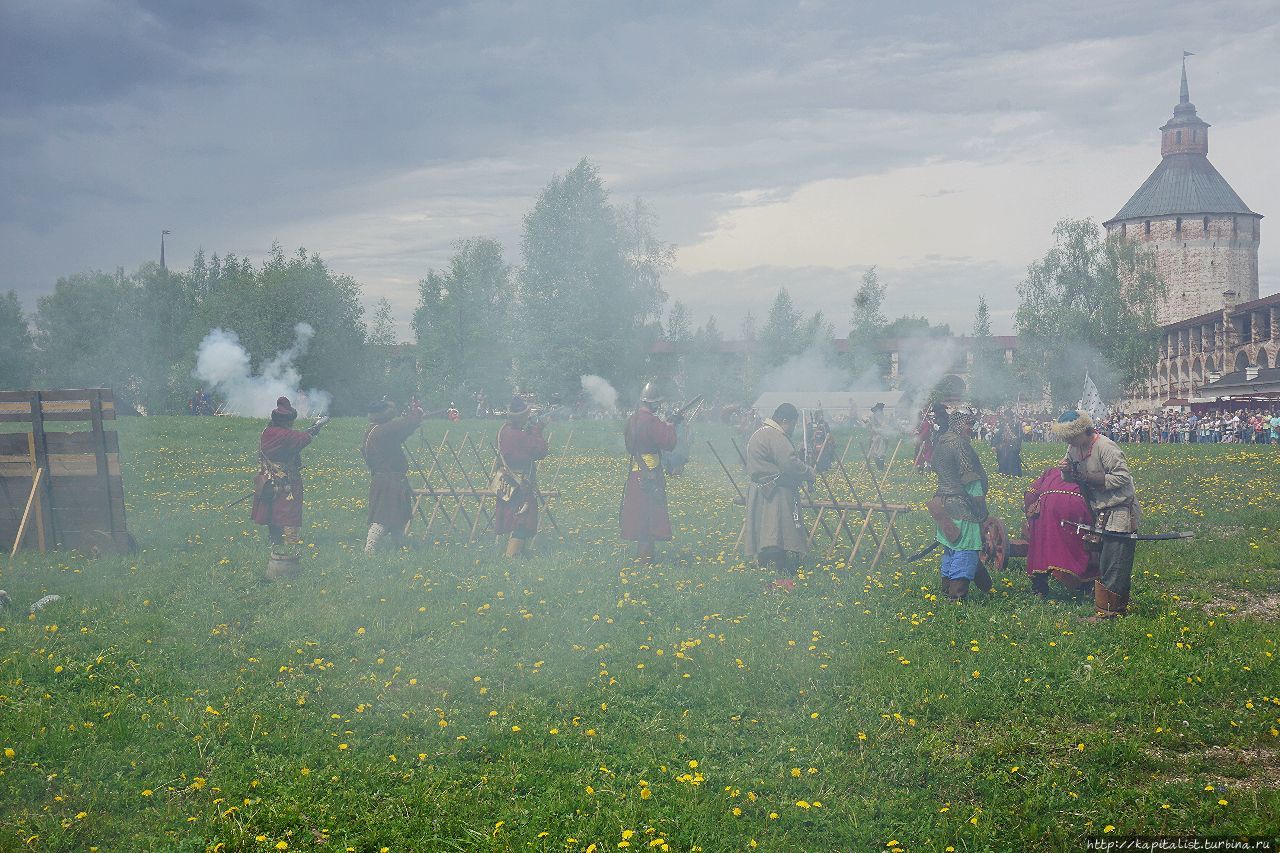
(995, 544)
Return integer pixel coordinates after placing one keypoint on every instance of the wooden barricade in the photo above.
(846, 505)
(455, 499)
(79, 500)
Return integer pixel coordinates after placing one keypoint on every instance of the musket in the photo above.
(1131, 537)
(687, 406)
(924, 552)
(238, 501)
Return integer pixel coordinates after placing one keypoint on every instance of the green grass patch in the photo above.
(446, 699)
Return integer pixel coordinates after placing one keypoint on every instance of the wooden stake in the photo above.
(22, 527)
(31, 452)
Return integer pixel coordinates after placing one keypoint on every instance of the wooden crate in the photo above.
(80, 503)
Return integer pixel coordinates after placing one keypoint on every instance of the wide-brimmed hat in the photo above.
(877, 407)
(284, 409)
(517, 407)
(1072, 424)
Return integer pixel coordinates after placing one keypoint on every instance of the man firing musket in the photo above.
(277, 489)
(390, 496)
(644, 517)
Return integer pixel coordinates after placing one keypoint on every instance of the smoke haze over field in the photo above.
(225, 367)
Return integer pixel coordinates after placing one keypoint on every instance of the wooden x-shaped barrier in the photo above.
(849, 508)
(459, 494)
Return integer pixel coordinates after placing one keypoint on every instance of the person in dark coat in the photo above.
(644, 498)
(390, 496)
(520, 446)
(1009, 446)
(277, 489)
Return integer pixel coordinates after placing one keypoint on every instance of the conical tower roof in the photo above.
(1185, 183)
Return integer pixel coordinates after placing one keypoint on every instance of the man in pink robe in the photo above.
(1053, 549)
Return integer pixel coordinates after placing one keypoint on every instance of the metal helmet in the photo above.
(650, 393)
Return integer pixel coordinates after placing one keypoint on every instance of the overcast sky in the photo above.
(779, 143)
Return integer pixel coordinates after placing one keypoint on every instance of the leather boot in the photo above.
(1107, 605)
(376, 532)
(514, 546)
(982, 579)
(1040, 585)
(958, 589)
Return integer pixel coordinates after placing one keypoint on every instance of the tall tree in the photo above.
(678, 329)
(17, 352)
(783, 334)
(865, 358)
(1089, 304)
(460, 323)
(990, 378)
(589, 288)
(382, 325)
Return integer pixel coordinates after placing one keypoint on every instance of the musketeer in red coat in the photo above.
(390, 497)
(644, 498)
(277, 489)
(520, 446)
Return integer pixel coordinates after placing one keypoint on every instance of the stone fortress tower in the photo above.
(1204, 237)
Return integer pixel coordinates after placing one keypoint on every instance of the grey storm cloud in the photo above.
(378, 134)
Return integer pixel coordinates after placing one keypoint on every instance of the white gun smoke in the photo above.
(224, 365)
(603, 395)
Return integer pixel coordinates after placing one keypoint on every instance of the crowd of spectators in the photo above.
(1251, 425)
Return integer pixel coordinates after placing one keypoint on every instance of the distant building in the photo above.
(1204, 240)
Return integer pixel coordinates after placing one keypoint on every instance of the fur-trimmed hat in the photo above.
(1072, 424)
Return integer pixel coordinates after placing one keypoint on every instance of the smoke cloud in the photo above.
(603, 396)
(811, 370)
(224, 366)
(924, 361)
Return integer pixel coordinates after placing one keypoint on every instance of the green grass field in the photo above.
(447, 699)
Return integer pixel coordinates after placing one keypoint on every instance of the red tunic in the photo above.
(521, 449)
(1051, 547)
(282, 445)
(390, 497)
(924, 440)
(644, 498)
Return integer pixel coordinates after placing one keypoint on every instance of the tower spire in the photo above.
(1184, 96)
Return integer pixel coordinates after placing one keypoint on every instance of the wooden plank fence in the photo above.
(79, 503)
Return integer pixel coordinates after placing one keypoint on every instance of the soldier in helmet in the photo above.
(644, 498)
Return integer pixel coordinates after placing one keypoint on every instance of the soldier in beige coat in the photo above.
(775, 534)
(1098, 465)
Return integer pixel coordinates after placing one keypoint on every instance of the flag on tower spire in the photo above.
(1184, 96)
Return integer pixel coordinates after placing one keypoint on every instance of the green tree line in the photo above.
(585, 298)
